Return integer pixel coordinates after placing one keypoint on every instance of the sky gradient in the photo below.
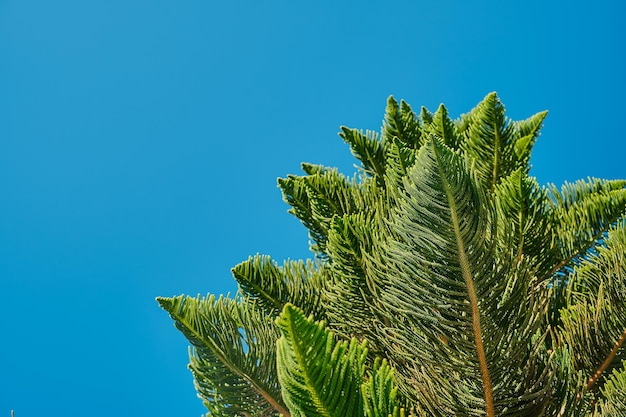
(140, 142)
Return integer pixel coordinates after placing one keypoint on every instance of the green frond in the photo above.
(604, 272)
(443, 221)
(319, 375)
(352, 293)
(313, 169)
(596, 338)
(368, 149)
(296, 193)
(443, 127)
(320, 196)
(272, 286)
(523, 207)
(333, 194)
(526, 244)
(594, 322)
(439, 252)
(528, 132)
(613, 402)
(400, 158)
(233, 356)
(583, 212)
(379, 391)
(426, 116)
(574, 193)
(567, 385)
(496, 145)
(401, 124)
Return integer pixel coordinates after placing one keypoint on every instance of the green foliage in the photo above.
(319, 375)
(476, 290)
(379, 391)
(230, 339)
(272, 286)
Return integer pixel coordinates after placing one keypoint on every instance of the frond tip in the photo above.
(230, 339)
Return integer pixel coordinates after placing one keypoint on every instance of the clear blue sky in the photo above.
(140, 142)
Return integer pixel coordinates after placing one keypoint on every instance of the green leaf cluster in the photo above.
(445, 282)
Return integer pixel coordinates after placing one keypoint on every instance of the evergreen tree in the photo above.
(445, 281)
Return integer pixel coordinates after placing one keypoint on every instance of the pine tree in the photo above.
(445, 281)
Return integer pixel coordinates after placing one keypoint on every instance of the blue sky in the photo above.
(140, 142)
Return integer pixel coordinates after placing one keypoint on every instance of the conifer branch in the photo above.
(592, 381)
(467, 275)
